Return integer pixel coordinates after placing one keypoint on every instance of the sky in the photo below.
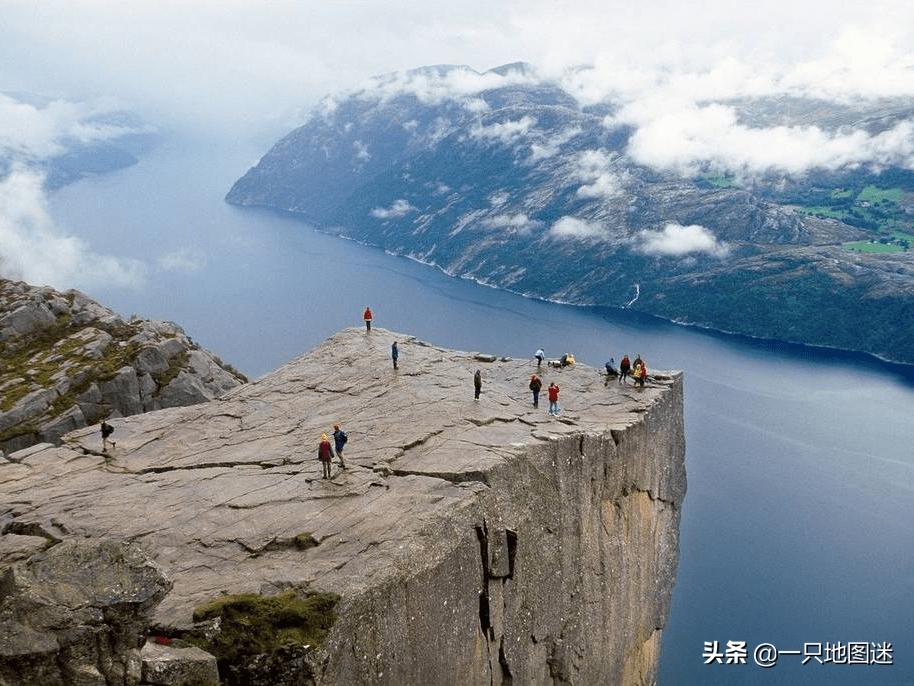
(244, 65)
(231, 69)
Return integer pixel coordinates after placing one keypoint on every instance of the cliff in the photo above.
(466, 543)
(67, 362)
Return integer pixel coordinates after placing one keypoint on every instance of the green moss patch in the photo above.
(255, 624)
(175, 365)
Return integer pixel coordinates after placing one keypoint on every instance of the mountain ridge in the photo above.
(519, 186)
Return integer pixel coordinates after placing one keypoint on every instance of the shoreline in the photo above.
(905, 369)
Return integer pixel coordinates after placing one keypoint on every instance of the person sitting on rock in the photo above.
(394, 353)
(567, 360)
(640, 373)
(535, 386)
(611, 371)
(477, 384)
(325, 454)
(339, 442)
(106, 430)
(366, 315)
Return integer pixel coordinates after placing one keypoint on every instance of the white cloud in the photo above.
(505, 132)
(182, 260)
(499, 198)
(33, 249)
(399, 208)
(690, 138)
(675, 240)
(28, 132)
(361, 151)
(434, 85)
(550, 146)
(594, 167)
(518, 222)
(572, 227)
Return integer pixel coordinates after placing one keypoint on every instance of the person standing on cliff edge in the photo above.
(540, 355)
(366, 315)
(553, 399)
(394, 353)
(477, 384)
(325, 455)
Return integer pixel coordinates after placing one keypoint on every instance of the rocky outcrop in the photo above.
(466, 542)
(76, 613)
(67, 362)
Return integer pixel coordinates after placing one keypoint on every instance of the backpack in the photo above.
(107, 430)
(343, 437)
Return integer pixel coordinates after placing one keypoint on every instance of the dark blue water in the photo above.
(797, 526)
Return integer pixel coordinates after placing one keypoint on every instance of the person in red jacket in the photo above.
(553, 399)
(625, 366)
(366, 315)
(325, 454)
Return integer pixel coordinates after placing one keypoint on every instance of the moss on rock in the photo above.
(254, 624)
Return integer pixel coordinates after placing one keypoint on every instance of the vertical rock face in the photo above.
(67, 362)
(466, 542)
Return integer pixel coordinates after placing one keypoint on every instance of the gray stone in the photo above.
(26, 319)
(78, 357)
(168, 666)
(494, 543)
(14, 547)
(123, 391)
(150, 360)
(76, 613)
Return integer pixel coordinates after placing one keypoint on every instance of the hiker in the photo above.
(540, 355)
(535, 386)
(567, 360)
(477, 384)
(339, 442)
(367, 317)
(625, 366)
(611, 371)
(325, 454)
(107, 430)
(637, 361)
(394, 353)
(553, 399)
(640, 373)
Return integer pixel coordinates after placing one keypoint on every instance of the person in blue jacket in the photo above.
(394, 354)
(339, 442)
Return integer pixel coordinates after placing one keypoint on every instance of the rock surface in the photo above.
(76, 614)
(67, 362)
(484, 541)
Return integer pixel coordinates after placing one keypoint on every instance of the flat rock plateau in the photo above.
(465, 543)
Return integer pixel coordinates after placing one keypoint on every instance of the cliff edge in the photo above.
(466, 543)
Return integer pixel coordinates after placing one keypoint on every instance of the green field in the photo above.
(874, 195)
(841, 193)
(832, 212)
(866, 246)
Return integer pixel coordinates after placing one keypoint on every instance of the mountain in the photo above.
(67, 362)
(465, 543)
(507, 178)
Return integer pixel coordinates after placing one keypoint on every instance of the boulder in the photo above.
(77, 614)
(164, 665)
